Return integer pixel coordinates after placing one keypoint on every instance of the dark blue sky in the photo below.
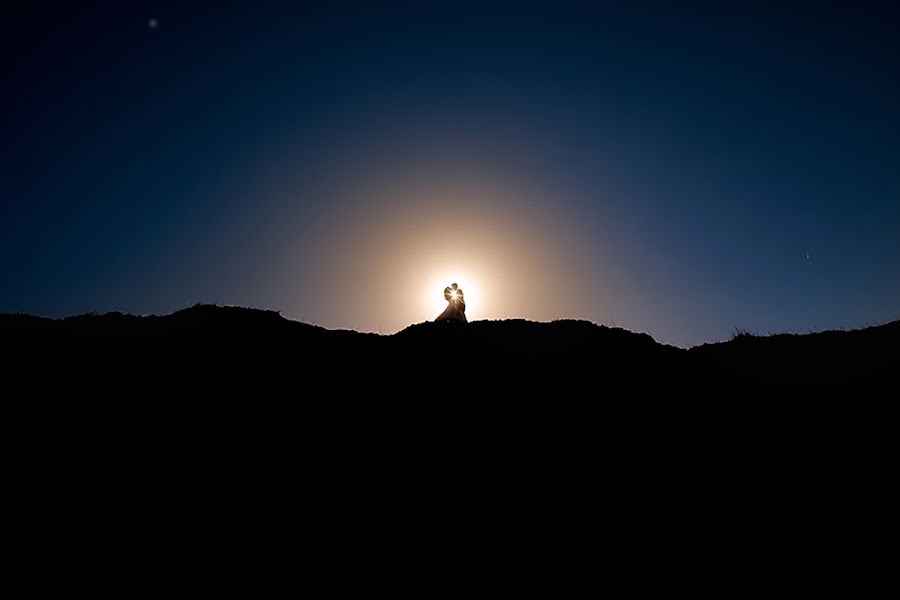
(678, 168)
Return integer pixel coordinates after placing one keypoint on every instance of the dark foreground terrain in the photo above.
(227, 444)
(232, 371)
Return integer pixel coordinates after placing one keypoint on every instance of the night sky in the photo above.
(677, 168)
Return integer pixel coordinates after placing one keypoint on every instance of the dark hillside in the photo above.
(225, 363)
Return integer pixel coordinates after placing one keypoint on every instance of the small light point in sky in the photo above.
(152, 23)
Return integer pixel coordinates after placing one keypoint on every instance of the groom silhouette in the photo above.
(456, 309)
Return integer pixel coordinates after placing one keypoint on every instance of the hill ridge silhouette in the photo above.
(820, 388)
(205, 314)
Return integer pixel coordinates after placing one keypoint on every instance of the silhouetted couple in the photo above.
(456, 309)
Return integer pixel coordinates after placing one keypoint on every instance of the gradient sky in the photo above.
(678, 168)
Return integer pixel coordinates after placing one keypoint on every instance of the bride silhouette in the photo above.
(456, 309)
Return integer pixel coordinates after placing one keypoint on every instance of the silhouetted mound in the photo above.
(245, 371)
